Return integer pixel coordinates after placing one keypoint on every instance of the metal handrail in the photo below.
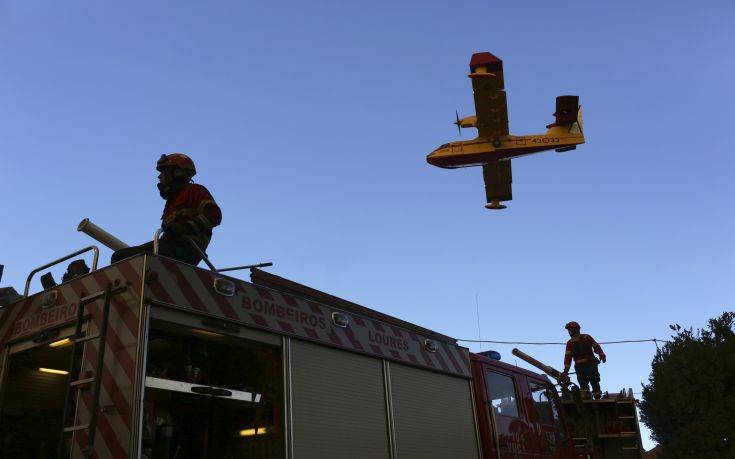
(157, 237)
(201, 252)
(95, 258)
(205, 257)
(237, 268)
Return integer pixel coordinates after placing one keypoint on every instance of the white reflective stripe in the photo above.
(185, 387)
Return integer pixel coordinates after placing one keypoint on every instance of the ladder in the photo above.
(76, 362)
(628, 422)
(583, 445)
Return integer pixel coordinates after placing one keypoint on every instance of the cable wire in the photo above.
(650, 340)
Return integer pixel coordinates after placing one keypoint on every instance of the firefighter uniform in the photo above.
(582, 349)
(189, 215)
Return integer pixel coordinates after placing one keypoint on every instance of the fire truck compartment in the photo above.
(33, 399)
(338, 404)
(350, 405)
(209, 394)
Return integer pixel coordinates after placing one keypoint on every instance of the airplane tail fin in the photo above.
(567, 108)
(568, 113)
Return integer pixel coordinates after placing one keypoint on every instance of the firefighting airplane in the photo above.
(494, 147)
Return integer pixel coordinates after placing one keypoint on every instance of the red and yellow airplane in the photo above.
(494, 146)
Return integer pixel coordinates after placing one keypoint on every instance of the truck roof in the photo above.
(285, 307)
(267, 279)
(268, 303)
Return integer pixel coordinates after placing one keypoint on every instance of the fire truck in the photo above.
(153, 358)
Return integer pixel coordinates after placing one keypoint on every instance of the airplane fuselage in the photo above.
(481, 151)
(494, 147)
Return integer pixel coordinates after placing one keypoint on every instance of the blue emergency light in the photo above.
(495, 355)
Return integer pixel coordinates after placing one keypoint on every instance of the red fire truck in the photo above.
(153, 358)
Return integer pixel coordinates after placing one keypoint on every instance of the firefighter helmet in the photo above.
(572, 324)
(178, 160)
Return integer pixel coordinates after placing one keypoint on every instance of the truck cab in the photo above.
(519, 412)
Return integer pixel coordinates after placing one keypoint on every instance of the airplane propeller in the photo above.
(459, 127)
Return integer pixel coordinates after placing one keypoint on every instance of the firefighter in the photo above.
(582, 348)
(189, 215)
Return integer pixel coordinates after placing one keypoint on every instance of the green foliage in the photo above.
(689, 402)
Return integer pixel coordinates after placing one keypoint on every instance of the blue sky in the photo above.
(310, 123)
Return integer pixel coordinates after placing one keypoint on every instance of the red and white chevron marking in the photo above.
(28, 317)
(193, 288)
(115, 420)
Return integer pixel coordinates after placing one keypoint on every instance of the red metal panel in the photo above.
(192, 288)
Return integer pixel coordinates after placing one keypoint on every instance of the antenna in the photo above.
(477, 310)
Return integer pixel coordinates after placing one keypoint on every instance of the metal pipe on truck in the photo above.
(567, 388)
(97, 233)
(551, 371)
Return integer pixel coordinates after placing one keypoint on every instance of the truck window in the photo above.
(502, 394)
(547, 413)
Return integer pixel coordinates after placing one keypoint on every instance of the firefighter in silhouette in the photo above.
(189, 215)
(582, 348)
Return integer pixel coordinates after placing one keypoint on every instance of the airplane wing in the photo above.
(490, 100)
(498, 181)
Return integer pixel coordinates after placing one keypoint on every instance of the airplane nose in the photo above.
(441, 156)
(431, 157)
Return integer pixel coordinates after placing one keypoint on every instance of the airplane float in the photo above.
(494, 147)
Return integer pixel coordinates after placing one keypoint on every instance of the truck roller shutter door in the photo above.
(338, 404)
(433, 415)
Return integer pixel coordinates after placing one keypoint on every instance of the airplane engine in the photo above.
(566, 110)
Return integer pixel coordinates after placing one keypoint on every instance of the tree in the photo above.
(689, 401)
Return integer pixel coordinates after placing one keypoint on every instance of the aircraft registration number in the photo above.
(546, 140)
